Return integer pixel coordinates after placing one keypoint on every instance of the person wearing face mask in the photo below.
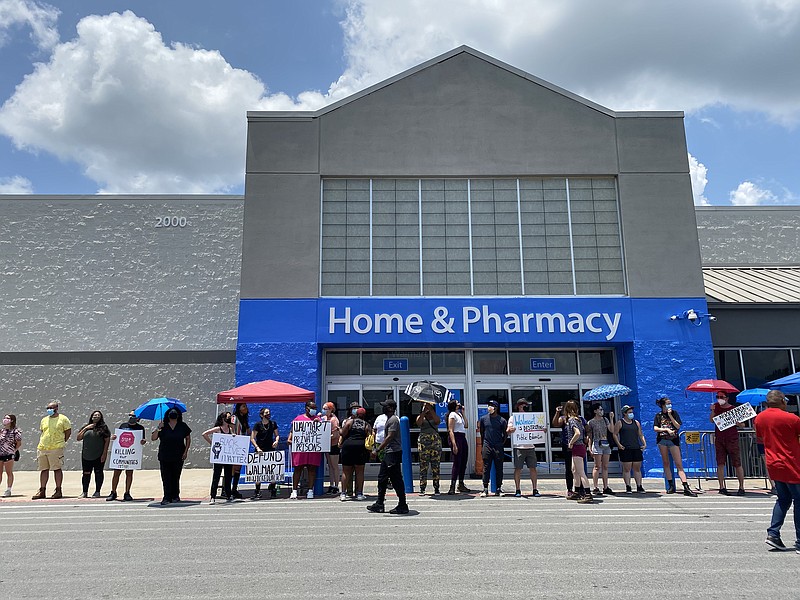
(630, 441)
(493, 429)
(10, 443)
(597, 429)
(726, 444)
(56, 429)
(241, 426)
(223, 425)
(354, 455)
(265, 437)
(308, 461)
(457, 436)
(329, 414)
(175, 439)
(131, 424)
(390, 452)
(666, 424)
(95, 437)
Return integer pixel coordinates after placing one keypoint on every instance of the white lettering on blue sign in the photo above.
(474, 319)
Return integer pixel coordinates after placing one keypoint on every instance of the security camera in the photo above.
(673, 318)
(691, 315)
(712, 318)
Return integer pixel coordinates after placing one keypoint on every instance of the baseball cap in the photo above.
(626, 408)
(523, 401)
(389, 402)
(494, 403)
(354, 404)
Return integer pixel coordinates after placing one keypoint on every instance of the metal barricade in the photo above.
(700, 456)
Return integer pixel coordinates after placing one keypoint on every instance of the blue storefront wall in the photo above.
(283, 339)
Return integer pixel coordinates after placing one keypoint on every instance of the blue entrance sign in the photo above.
(395, 364)
(543, 364)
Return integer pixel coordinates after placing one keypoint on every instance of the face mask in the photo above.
(6, 421)
(228, 420)
(354, 412)
(173, 416)
(668, 406)
(312, 412)
(722, 401)
(51, 411)
(630, 416)
(133, 420)
(266, 417)
(491, 410)
(326, 412)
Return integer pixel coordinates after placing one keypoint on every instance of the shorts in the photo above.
(631, 455)
(334, 450)
(50, 460)
(579, 450)
(353, 454)
(599, 448)
(524, 456)
(668, 443)
(728, 447)
(6, 458)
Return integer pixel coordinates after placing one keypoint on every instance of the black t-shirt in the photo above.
(265, 434)
(127, 425)
(172, 444)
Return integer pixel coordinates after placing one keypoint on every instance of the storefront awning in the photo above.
(756, 285)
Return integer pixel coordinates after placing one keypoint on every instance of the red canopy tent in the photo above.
(263, 392)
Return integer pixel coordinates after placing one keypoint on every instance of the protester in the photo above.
(726, 444)
(354, 453)
(429, 446)
(329, 414)
(577, 445)
(493, 435)
(265, 437)
(308, 461)
(780, 431)
(457, 436)
(666, 424)
(223, 425)
(390, 452)
(96, 438)
(175, 440)
(131, 424)
(10, 443)
(597, 439)
(559, 420)
(524, 456)
(631, 443)
(241, 426)
(379, 425)
(56, 429)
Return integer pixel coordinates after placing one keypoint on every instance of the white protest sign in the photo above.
(311, 436)
(728, 419)
(126, 450)
(229, 449)
(531, 429)
(264, 467)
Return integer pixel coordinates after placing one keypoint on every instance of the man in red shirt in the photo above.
(726, 443)
(780, 431)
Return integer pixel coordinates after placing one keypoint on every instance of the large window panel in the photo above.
(761, 366)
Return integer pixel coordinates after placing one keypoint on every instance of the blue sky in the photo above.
(119, 96)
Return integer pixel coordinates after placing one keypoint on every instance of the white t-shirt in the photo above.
(380, 428)
(458, 422)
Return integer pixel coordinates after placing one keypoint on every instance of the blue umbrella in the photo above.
(155, 409)
(788, 385)
(604, 392)
(753, 396)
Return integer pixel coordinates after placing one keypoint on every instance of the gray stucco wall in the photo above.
(95, 273)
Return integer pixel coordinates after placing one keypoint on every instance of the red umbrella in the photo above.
(712, 385)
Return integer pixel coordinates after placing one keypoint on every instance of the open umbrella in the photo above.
(155, 409)
(610, 390)
(788, 385)
(429, 392)
(711, 385)
(753, 396)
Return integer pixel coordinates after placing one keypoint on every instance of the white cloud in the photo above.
(749, 194)
(15, 185)
(40, 17)
(698, 173)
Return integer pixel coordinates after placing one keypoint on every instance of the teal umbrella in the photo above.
(155, 409)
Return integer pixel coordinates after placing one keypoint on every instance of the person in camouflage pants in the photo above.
(429, 445)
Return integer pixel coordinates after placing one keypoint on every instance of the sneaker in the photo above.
(596, 491)
(342, 497)
(485, 493)
(518, 494)
(628, 489)
(422, 491)
(640, 490)
(464, 489)
(499, 492)
(256, 497)
(335, 490)
(273, 494)
(375, 508)
(229, 499)
(608, 491)
(435, 491)
(96, 494)
(776, 543)
(176, 499)
(212, 502)
(293, 495)
(310, 495)
(723, 492)
(536, 494)
(164, 502)
(399, 510)
(587, 499)
(361, 497)
(39, 495)
(7, 493)
(83, 495)
(740, 492)
(57, 494)
(237, 496)
(126, 497)
(572, 496)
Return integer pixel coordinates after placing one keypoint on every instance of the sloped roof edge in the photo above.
(447, 56)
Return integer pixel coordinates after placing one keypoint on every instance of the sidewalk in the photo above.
(195, 484)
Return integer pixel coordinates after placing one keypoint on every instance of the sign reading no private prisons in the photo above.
(311, 436)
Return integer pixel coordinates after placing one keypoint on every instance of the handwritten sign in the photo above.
(126, 450)
(730, 418)
(311, 436)
(264, 467)
(229, 449)
(531, 429)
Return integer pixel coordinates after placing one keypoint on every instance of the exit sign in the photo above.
(395, 364)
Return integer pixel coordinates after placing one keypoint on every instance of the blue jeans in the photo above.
(786, 492)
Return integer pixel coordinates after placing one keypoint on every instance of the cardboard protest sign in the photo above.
(264, 467)
(126, 450)
(730, 418)
(311, 436)
(229, 449)
(531, 429)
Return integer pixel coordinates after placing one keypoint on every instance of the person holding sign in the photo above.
(726, 444)
(666, 424)
(305, 460)
(523, 456)
(631, 443)
(265, 437)
(132, 424)
(224, 425)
